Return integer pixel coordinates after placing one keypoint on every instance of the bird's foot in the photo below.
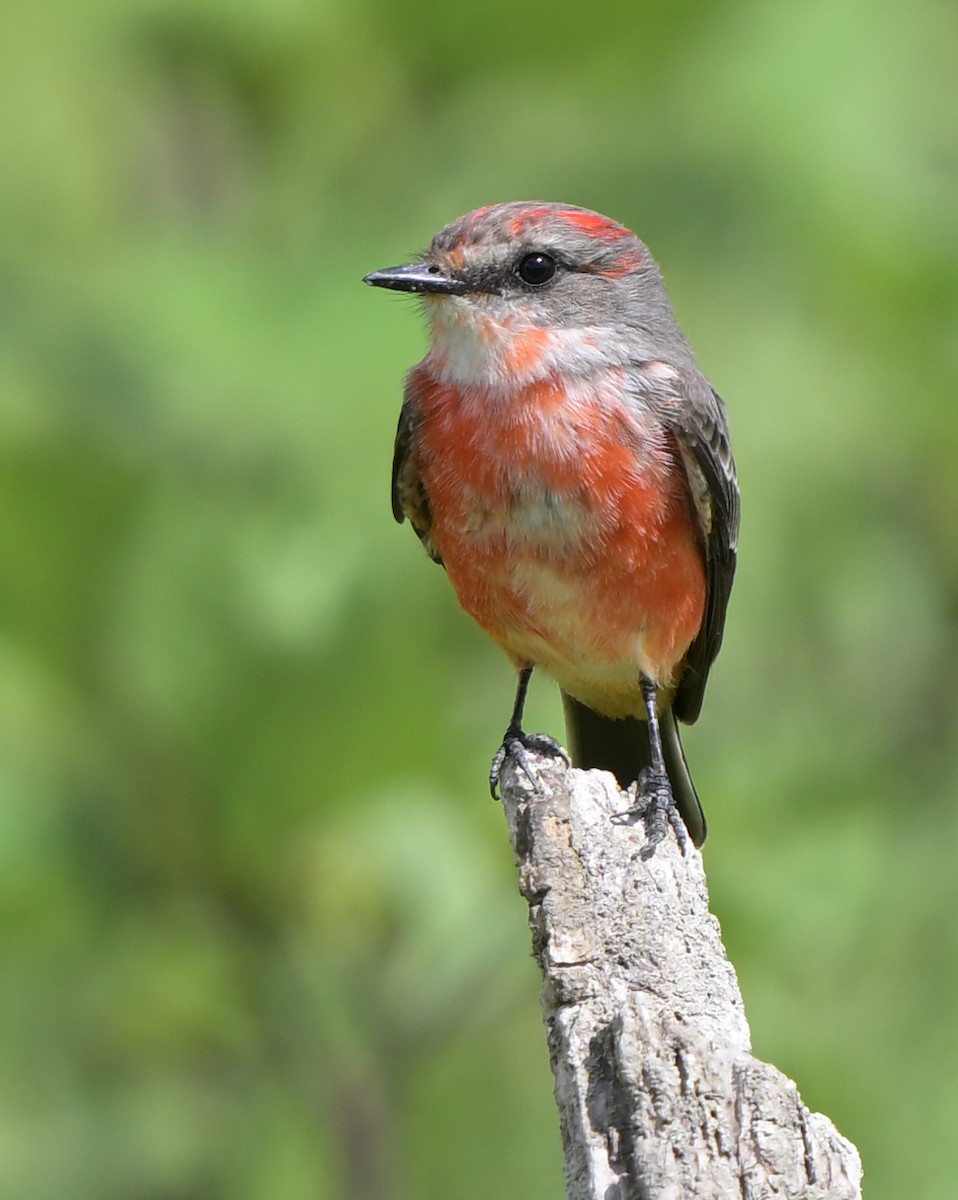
(655, 806)
(515, 745)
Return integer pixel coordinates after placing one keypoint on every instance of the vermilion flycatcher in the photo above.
(561, 455)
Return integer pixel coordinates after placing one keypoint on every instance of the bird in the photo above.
(562, 456)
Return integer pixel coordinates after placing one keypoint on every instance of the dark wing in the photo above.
(694, 414)
(409, 497)
(701, 432)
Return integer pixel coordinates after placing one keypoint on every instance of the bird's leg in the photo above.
(655, 803)
(515, 742)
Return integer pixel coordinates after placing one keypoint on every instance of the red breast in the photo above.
(564, 523)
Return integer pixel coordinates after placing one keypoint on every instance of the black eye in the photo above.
(536, 268)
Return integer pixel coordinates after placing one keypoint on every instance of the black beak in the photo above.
(416, 277)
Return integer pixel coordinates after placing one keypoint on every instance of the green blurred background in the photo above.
(260, 930)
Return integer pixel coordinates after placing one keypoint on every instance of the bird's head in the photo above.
(521, 289)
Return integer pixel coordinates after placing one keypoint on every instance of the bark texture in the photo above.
(658, 1094)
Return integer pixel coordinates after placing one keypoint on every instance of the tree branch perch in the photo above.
(658, 1094)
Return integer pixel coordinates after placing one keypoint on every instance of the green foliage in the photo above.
(259, 925)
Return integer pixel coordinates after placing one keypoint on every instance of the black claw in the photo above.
(515, 745)
(654, 802)
(655, 806)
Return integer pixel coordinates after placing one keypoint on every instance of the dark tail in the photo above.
(622, 747)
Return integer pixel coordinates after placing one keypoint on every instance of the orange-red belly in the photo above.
(564, 522)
